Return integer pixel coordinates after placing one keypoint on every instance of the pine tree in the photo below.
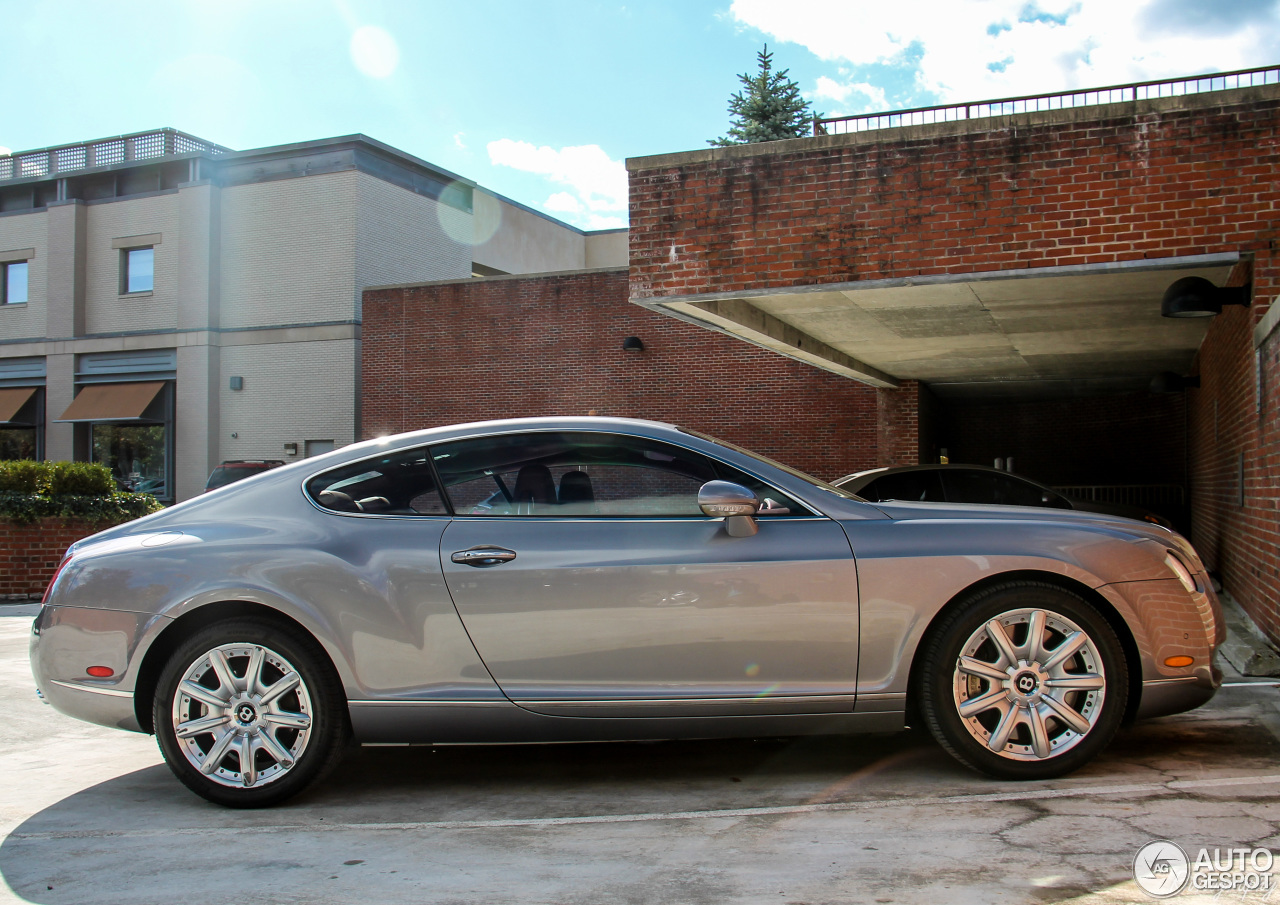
(768, 109)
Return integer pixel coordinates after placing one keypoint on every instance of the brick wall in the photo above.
(450, 352)
(1182, 176)
(1126, 182)
(29, 554)
(1234, 432)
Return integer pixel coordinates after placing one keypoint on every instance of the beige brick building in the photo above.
(167, 304)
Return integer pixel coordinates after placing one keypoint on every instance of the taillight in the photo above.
(49, 590)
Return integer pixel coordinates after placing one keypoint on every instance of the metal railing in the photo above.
(52, 162)
(1089, 97)
(1128, 494)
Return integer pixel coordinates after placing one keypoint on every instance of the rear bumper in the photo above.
(1161, 697)
(67, 640)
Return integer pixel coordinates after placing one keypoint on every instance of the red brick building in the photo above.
(988, 286)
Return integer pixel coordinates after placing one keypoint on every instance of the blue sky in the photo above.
(542, 101)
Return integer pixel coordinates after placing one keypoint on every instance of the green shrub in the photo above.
(80, 479)
(23, 476)
(83, 490)
(25, 508)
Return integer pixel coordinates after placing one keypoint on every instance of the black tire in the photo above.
(1089, 717)
(289, 756)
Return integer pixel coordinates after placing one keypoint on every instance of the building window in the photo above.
(19, 443)
(137, 270)
(137, 454)
(21, 420)
(13, 286)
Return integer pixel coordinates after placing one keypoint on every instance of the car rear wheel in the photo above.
(247, 714)
(1024, 681)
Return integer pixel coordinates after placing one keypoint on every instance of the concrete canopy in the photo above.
(1024, 333)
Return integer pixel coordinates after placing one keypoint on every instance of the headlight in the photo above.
(1179, 568)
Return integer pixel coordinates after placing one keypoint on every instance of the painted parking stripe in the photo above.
(1036, 794)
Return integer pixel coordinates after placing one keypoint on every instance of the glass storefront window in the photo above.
(136, 454)
(18, 443)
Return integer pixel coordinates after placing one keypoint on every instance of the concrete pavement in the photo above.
(92, 815)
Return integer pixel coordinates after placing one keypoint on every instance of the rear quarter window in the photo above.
(397, 484)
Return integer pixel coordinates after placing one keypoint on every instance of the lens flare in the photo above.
(374, 51)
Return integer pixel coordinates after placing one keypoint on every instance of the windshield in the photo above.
(794, 472)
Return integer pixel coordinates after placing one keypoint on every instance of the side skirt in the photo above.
(392, 722)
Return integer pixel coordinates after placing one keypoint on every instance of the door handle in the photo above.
(483, 555)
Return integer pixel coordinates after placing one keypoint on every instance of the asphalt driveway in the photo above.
(92, 815)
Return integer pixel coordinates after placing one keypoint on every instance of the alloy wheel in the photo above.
(1029, 684)
(242, 715)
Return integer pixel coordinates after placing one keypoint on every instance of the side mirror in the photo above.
(735, 503)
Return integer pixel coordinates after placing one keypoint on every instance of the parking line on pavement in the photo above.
(1036, 794)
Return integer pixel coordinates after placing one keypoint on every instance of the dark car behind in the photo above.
(237, 470)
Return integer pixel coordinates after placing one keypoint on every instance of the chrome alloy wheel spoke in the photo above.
(217, 752)
(285, 685)
(203, 695)
(288, 720)
(254, 726)
(972, 667)
(1019, 700)
(201, 726)
(1000, 638)
(1035, 636)
(248, 772)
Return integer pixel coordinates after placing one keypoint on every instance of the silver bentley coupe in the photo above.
(597, 578)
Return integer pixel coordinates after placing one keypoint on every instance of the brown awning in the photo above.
(112, 401)
(12, 399)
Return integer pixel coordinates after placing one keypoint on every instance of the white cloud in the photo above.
(5, 152)
(458, 142)
(596, 221)
(863, 96)
(563, 202)
(595, 182)
(978, 49)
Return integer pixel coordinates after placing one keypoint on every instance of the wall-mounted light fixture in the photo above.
(1169, 382)
(237, 383)
(632, 344)
(1197, 297)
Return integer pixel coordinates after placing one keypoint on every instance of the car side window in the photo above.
(964, 486)
(1014, 492)
(905, 486)
(583, 474)
(400, 483)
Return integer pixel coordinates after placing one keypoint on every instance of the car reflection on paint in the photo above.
(976, 484)
(595, 578)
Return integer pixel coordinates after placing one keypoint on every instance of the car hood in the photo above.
(1131, 528)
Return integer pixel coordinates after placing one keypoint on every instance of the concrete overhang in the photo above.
(1073, 330)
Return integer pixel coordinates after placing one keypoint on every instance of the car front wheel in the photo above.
(247, 714)
(1024, 681)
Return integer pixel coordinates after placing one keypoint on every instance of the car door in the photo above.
(595, 586)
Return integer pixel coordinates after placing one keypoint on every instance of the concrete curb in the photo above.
(1246, 648)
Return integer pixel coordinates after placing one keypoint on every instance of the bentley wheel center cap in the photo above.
(1026, 683)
